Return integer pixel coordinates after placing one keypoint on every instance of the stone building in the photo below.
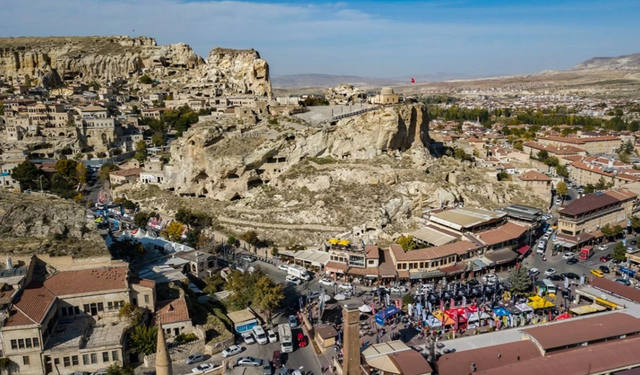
(173, 317)
(70, 321)
(386, 96)
(592, 145)
(537, 183)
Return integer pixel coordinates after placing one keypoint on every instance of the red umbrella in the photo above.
(563, 316)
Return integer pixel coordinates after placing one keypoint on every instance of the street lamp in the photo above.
(40, 178)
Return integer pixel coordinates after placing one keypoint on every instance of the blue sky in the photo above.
(366, 38)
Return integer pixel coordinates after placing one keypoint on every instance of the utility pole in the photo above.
(40, 178)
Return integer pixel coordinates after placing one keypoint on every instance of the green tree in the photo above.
(504, 176)
(231, 241)
(635, 223)
(107, 168)
(131, 314)
(116, 369)
(602, 184)
(562, 189)
(552, 161)
(143, 339)
(214, 283)
(407, 299)
(561, 170)
(607, 231)
(141, 151)
(624, 157)
(619, 252)
(146, 80)
(67, 169)
(267, 295)
(127, 249)
(274, 251)
(589, 188)
(141, 219)
(250, 237)
(542, 155)
(407, 243)
(27, 174)
(520, 280)
(158, 138)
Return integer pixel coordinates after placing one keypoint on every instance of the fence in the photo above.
(176, 353)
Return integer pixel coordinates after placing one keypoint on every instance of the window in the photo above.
(87, 309)
(36, 342)
(85, 359)
(105, 356)
(64, 311)
(74, 360)
(146, 298)
(56, 361)
(25, 360)
(114, 355)
(110, 305)
(77, 310)
(20, 343)
(66, 361)
(100, 306)
(28, 342)
(14, 344)
(94, 358)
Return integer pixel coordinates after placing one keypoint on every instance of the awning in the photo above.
(315, 257)
(477, 264)
(344, 242)
(454, 270)
(334, 241)
(501, 311)
(627, 271)
(501, 256)
(587, 309)
(363, 271)
(425, 274)
(523, 250)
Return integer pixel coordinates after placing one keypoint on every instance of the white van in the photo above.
(299, 272)
(550, 286)
(541, 247)
(260, 335)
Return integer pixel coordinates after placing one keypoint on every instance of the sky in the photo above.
(365, 38)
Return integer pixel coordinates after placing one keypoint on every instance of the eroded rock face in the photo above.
(345, 94)
(210, 161)
(31, 223)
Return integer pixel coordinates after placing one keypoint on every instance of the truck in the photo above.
(286, 340)
(299, 272)
(586, 252)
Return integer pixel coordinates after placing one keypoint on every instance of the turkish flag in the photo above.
(413, 80)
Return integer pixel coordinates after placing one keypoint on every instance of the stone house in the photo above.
(535, 182)
(125, 176)
(174, 317)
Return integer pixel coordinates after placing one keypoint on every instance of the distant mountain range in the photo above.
(626, 62)
(329, 80)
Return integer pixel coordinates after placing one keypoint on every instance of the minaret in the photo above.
(163, 359)
(351, 348)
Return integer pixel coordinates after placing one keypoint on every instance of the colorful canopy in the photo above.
(344, 242)
(537, 302)
(334, 241)
(501, 311)
(443, 318)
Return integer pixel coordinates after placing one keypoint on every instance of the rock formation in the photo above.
(32, 223)
(210, 161)
(345, 94)
(54, 60)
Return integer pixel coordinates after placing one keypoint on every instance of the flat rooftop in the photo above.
(106, 334)
(68, 334)
(459, 218)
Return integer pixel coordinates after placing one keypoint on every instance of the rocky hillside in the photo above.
(32, 223)
(627, 62)
(370, 175)
(52, 60)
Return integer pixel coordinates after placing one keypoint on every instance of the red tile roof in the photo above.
(410, 362)
(488, 357)
(373, 251)
(533, 176)
(460, 248)
(32, 306)
(577, 331)
(507, 232)
(172, 311)
(88, 281)
(143, 282)
(610, 286)
(588, 203)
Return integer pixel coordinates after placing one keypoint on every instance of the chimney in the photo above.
(9, 263)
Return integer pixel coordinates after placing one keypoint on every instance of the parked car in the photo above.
(570, 276)
(630, 249)
(550, 271)
(398, 289)
(249, 361)
(277, 361)
(272, 336)
(623, 282)
(302, 341)
(345, 286)
(266, 369)
(194, 358)
(102, 371)
(605, 258)
(293, 321)
(283, 267)
(326, 282)
(381, 287)
(248, 258)
(603, 247)
(572, 261)
(534, 272)
(597, 273)
(633, 242)
(555, 277)
(293, 280)
(248, 339)
(568, 255)
(232, 350)
(201, 369)
(546, 236)
(490, 278)
(604, 269)
(314, 294)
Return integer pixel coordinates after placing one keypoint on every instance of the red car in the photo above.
(302, 342)
(605, 258)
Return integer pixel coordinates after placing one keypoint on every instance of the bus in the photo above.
(286, 339)
(550, 286)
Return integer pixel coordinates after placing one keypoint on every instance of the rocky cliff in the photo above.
(212, 161)
(36, 224)
(53, 60)
(626, 62)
